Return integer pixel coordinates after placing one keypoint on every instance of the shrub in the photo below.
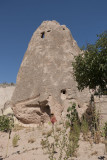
(15, 140)
(63, 141)
(72, 115)
(84, 128)
(6, 123)
(105, 130)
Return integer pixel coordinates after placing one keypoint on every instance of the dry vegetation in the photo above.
(66, 140)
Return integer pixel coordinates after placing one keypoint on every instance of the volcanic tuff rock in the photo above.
(45, 82)
(6, 92)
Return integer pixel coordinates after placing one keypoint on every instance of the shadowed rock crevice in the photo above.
(40, 111)
(46, 109)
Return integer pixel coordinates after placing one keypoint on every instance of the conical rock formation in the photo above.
(45, 82)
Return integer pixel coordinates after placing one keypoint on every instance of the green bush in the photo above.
(6, 123)
(64, 140)
(84, 126)
(72, 115)
(15, 140)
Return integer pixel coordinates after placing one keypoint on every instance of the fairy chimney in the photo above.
(45, 82)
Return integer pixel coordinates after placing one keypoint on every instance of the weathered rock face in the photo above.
(6, 93)
(101, 105)
(45, 82)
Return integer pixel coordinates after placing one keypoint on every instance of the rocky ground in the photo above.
(29, 145)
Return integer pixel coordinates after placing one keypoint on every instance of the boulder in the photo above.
(45, 82)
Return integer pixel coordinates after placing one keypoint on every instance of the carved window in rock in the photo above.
(63, 94)
(43, 35)
(63, 91)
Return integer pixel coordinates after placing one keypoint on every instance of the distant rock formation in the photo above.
(6, 92)
(45, 82)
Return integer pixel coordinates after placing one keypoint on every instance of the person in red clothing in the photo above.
(53, 119)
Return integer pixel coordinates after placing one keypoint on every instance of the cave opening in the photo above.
(43, 35)
(63, 91)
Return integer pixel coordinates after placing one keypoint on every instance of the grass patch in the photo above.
(15, 140)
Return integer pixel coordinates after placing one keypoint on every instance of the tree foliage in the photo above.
(90, 67)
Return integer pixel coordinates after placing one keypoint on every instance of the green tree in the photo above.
(90, 67)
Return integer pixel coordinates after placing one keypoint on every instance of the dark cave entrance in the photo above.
(46, 109)
(43, 35)
(63, 91)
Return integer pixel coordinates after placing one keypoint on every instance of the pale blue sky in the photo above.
(20, 18)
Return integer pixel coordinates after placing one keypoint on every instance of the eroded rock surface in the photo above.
(45, 82)
(6, 92)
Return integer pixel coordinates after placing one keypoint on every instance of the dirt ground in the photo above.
(29, 145)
